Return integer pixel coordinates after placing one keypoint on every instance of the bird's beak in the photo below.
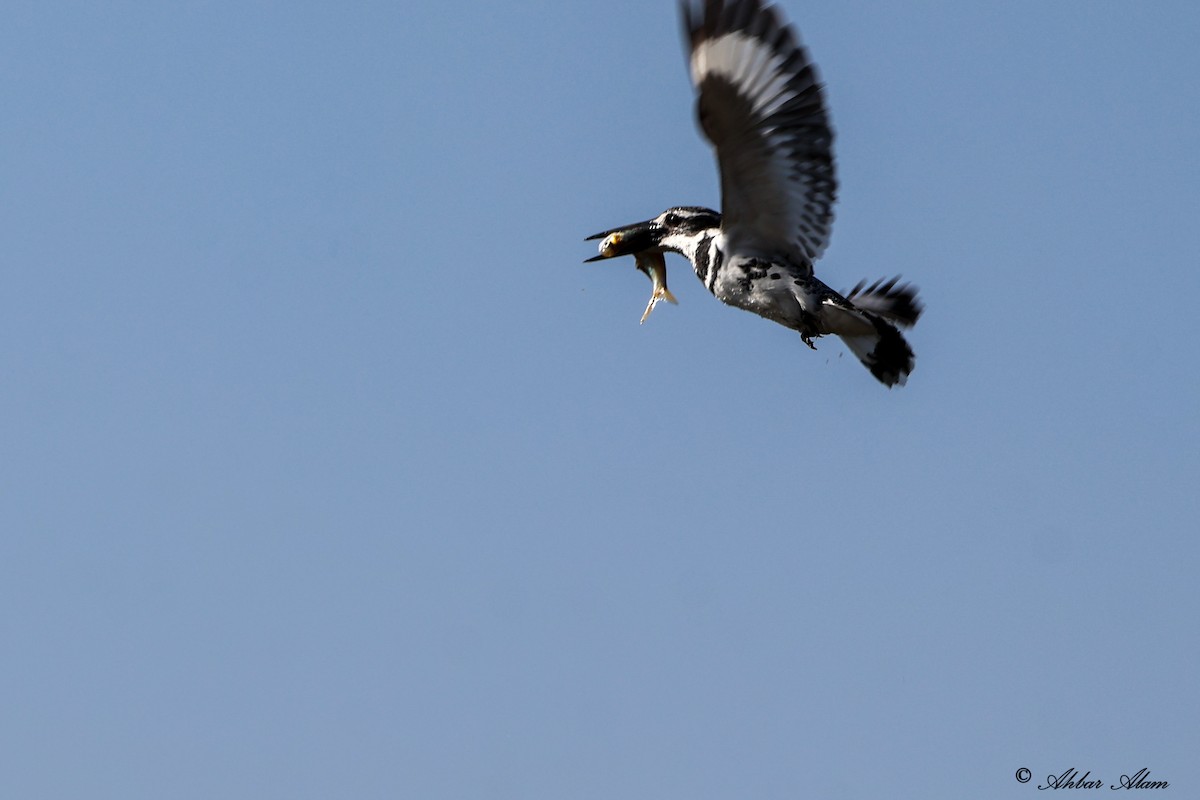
(625, 240)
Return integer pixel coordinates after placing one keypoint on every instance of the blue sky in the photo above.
(329, 470)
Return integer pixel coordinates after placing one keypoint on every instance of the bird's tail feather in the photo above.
(885, 351)
(868, 325)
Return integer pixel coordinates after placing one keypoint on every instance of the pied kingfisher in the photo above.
(760, 105)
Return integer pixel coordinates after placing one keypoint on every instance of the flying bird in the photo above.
(760, 104)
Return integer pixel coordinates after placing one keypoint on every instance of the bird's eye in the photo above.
(672, 219)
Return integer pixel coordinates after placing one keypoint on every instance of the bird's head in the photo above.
(666, 232)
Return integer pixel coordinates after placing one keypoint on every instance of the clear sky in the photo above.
(329, 470)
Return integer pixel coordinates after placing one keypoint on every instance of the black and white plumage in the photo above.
(761, 106)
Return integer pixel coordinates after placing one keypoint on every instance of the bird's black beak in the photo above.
(625, 240)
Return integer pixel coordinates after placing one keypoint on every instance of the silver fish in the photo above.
(637, 241)
(654, 267)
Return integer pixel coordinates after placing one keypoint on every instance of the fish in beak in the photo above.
(639, 240)
(654, 266)
(626, 240)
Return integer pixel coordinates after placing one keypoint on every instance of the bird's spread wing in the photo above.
(894, 301)
(760, 104)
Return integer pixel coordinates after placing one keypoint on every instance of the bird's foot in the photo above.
(804, 337)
